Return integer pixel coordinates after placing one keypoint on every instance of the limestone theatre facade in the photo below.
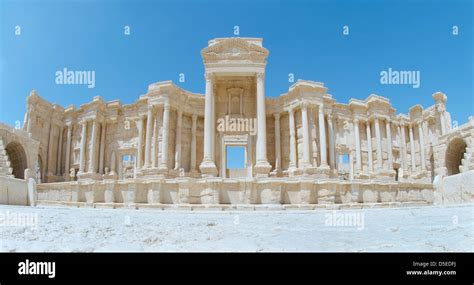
(302, 148)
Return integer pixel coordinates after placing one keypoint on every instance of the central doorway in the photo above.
(235, 161)
(236, 156)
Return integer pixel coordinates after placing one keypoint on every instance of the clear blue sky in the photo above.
(304, 38)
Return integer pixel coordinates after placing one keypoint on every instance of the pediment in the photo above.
(234, 49)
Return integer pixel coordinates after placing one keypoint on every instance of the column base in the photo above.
(323, 170)
(208, 169)
(262, 169)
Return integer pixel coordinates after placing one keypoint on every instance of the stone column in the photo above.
(177, 157)
(208, 166)
(30, 120)
(60, 152)
(68, 149)
(422, 146)
(154, 149)
(291, 118)
(93, 152)
(379, 143)
(262, 167)
(50, 158)
(322, 137)
(332, 161)
(412, 148)
(193, 144)
(304, 121)
(357, 146)
(389, 144)
(82, 161)
(404, 147)
(102, 147)
(443, 122)
(164, 151)
(148, 136)
(277, 142)
(369, 145)
(139, 123)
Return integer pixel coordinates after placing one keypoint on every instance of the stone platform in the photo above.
(224, 194)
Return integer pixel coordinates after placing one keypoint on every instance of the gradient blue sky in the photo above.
(303, 37)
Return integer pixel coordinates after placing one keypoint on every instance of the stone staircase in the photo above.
(5, 169)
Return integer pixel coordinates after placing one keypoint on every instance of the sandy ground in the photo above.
(429, 228)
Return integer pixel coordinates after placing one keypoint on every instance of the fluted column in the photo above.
(291, 118)
(388, 129)
(369, 145)
(378, 138)
(82, 161)
(193, 143)
(177, 157)
(68, 149)
(208, 166)
(102, 147)
(332, 160)
(60, 152)
(277, 142)
(148, 136)
(422, 146)
(304, 121)
(357, 146)
(262, 167)
(412, 148)
(164, 151)
(93, 152)
(322, 137)
(139, 123)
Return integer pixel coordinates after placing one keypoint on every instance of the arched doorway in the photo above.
(17, 157)
(454, 155)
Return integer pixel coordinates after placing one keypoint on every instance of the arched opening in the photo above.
(17, 157)
(454, 155)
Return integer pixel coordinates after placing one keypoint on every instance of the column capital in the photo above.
(209, 76)
(291, 110)
(304, 105)
(355, 120)
(166, 106)
(321, 108)
(260, 75)
(276, 116)
(194, 117)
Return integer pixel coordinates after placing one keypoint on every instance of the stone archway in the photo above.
(454, 155)
(18, 160)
